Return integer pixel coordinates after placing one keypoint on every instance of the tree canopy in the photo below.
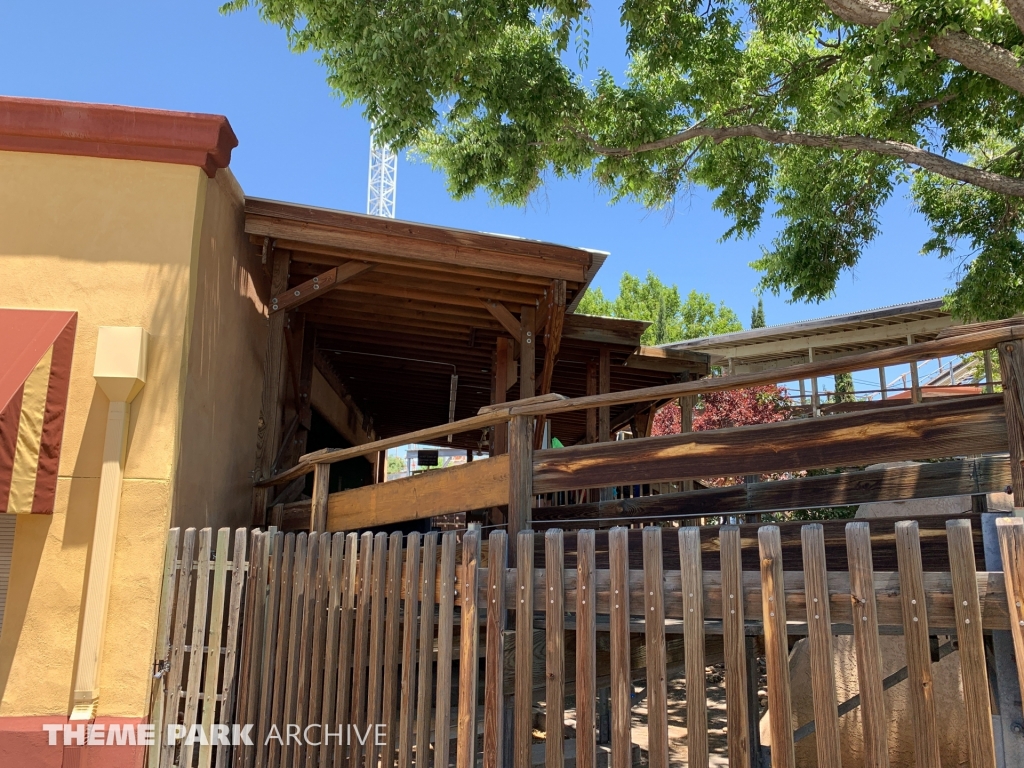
(672, 319)
(814, 111)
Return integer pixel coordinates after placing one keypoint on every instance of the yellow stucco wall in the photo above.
(117, 241)
(224, 375)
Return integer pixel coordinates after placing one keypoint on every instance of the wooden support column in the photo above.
(520, 476)
(591, 412)
(321, 493)
(501, 365)
(987, 355)
(269, 428)
(380, 473)
(1011, 367)
(552, 341)
(528, 353)
(814, 385)
(686, 406)
(604, 386)
(915, 384)
(881, 382)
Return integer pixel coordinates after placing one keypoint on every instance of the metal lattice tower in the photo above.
(380, 194)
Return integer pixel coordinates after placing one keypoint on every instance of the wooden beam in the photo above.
(604, 330)
(972, 342)
(520, 475)
(500, 394)
(591, 434)
(552, 333)
(1011, 365)
(415, 248)
(503, 316)
(604, 387)
(476, 485)
(332, 455)
(550, 397)
(268, 431)
(528, 353)
(318, 286)
(931, 430)
(666, 360)
(919, 481)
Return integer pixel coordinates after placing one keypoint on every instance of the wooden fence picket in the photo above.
(523, 720)
(392, 640)
(235, 619)
(554, 642)
(734, 639)
(410, 625)
(301, 683)
(376, 664)
(1011, 545)
(424, 687)
(586, 650)
(692, 578)
(621, 685)
(973, 669)
(291, 669)
(352, 754)
(920, 685)
(654, 635)
(865, 638)
(469, 646)
(773, 597)
(270, 639)
(321, 616)
(445, 637)
(282, 645)
(180, 627)
(494, 667)
(213, 643)
(163, 642)
(336, 578)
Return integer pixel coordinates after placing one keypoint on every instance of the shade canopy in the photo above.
(36, 348)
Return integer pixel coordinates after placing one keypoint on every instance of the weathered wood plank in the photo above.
(520, 476)
(554, 657)
(165, 617)
(195, 656)
(321, 616)
(494, 695)
(445, 632)
(362, 594)
(374, 684)
(654, 636)
(424, 689)
(468, 654)
(973, 670)
(920, 684)
(332, 641)
(819, 634)
(227, 690)
(931, 430)
(410, 625)
(523, 600)
(211, 678)
(780, 708)
(1011, 366)
(476, 485)
(309, 618)
(921, 481)
(321, 495)
(586, 651)
(618, 607)
(270, 634)
(865, 636)
(347, 639)
(392, 635)
(1011, 544)
(735, 653)
(692, 579)
(282, 644)
(305, 546)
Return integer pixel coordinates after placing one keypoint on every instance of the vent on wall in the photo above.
(6, 551)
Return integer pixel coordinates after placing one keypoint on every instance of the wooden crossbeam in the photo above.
(920, 481)
(500, 313)
(318, 286)
(932, 430)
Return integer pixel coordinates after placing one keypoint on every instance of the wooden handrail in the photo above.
(987, 338)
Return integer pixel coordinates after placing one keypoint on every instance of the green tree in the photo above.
(671, 318)
(757, 315)
(814, 111)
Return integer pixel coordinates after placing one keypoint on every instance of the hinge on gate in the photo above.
(160, 668)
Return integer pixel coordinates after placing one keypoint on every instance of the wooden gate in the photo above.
(420, 650)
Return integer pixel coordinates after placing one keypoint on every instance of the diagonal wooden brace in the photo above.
(318, 286)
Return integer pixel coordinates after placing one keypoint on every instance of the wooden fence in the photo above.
(434, 639)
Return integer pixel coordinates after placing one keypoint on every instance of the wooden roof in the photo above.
(411, 309)
(779, 346)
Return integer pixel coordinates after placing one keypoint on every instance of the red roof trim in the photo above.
(124, 133)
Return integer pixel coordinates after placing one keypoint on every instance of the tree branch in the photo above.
(1016, 9)
(908, 153)
(977, 55)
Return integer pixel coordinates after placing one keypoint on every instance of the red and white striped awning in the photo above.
(36, 347)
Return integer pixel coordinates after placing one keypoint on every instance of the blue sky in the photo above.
(297, 143)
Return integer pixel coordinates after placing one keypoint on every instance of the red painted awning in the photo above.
(36, 347)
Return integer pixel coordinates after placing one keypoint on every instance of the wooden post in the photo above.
(591, 412)
(882, 383)
(381, 467)
(987, 356)
(814, 385)
(773, 607)
(604, 386)
(269, 430)
(686, 406)
(915, 384)
(803, 393)
(321, 493)
(500, 395)
(1011, 367)
(528, 353)
(520, 476)
(494, 672)
(469, 656)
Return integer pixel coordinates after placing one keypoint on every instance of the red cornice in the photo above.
(124, 133)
